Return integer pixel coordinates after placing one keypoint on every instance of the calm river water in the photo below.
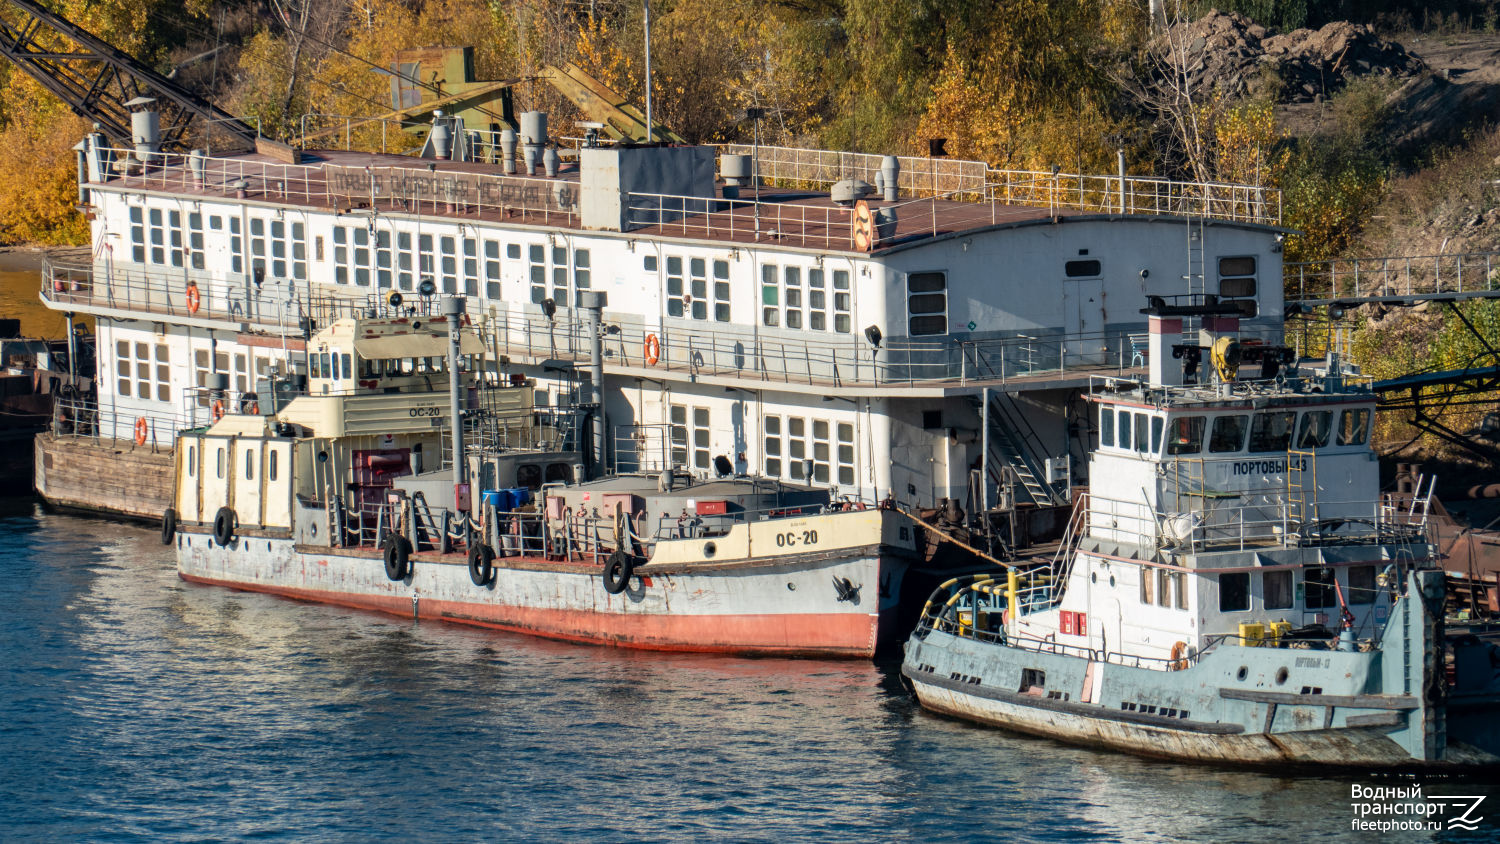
(138, 707)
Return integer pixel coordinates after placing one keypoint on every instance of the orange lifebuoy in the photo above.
(192, 298)
(218, 409)
(653, 349)
(140, 431)
(1179, 651)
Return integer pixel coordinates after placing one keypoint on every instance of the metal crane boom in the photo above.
(96, 80)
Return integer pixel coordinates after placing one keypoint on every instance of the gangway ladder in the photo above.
(1008, 436)
(1301, 488)
(1197, 277)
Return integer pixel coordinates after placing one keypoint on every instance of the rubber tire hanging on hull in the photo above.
(168, 526)
(224, 524)
(397, 557)
(617, 571)
(481, 564)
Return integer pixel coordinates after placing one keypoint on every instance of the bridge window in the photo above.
(1083, 269)
(1354, 428)
(1124, 437)
(1271, 431)
(1319, 588)
(1187, 435)
(1106, 426)
(529, 475)
(1278, 589)
(1237, 277)
(1142, 433)
(1314, 430)
(1234, 592)
(271, 469)
(1228, 434)
(927, 303)
(249, 464)
(1362, 587)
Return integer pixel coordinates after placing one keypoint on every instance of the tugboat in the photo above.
(1233, 589)
(358, 493)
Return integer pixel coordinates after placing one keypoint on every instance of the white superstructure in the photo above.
(756, 329)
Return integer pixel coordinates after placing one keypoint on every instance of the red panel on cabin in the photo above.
(713, 508)
(1067, 622)
(1081, 623)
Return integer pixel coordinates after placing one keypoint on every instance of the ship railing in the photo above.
(1392, 276)
(975, 181)
(687, 525)
(86, 417)
(398, 184)
(713, 349)
(275, 302)
(1103, 384)
(1266, 519)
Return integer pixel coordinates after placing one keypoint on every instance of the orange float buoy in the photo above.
(218, 409)
(653, 349)
(192, 298)
(140, 431)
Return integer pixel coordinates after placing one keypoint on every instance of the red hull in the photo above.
(853, 635)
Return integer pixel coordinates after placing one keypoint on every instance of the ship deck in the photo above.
(342, 180)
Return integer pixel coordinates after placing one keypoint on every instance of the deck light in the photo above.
(872, 333)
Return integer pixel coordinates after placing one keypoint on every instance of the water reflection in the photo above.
(144, 707)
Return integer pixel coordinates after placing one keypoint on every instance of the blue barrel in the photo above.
(519, 497)
(492, 498)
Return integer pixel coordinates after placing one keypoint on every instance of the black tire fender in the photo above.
(225, 523)
(617, 571)
(397, 557)
(168, 526)
(481, 564)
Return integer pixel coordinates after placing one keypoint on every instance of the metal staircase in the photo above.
(1013, 443)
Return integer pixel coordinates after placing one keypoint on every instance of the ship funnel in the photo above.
(533, 137)
(890, 177)
(441, 138)
(736, 172)
(145, 132)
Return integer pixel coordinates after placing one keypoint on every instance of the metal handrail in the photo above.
(1408, 275)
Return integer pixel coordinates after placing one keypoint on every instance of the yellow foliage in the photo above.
(38, 169)
(1246, 145)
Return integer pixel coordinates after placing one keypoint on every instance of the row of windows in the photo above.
(1278, 589)
(273, 463)
(143, 371)
(386, 259)
(791, 441)
(787, 302)
(1271, 431)
(688, 293)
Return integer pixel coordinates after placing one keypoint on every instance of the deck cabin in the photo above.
(374, 421)
(1236, 508)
